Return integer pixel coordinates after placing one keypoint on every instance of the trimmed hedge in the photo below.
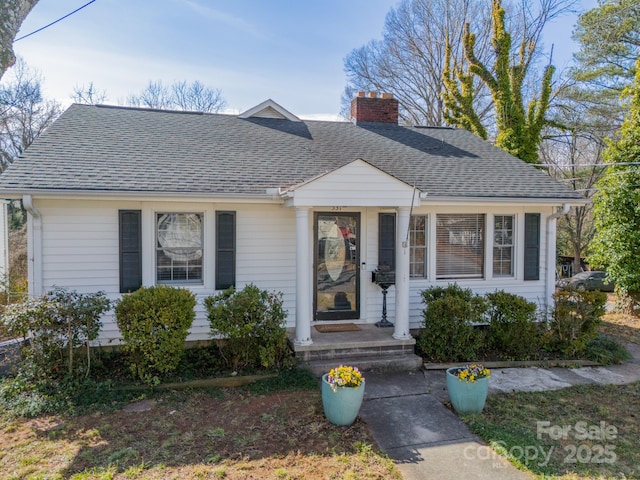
(448, 333)
(513, 327)
(154, 323)
(250, 327)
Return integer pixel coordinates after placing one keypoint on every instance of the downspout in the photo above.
(551, 252)
(4, 241)
(34, 246)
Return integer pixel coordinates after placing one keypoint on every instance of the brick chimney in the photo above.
(371, 108)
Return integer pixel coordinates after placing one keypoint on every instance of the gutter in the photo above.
(138, 195)
(27, 202)
(550, 284)
(440, 200)
(34, 246)
(560, 213)
(4, 231)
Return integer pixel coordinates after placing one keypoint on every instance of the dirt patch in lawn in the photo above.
(622, 326)
(228, 433)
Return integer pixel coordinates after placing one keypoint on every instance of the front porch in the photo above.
(369, 348)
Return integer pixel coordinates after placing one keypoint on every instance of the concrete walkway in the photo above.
(406, 414)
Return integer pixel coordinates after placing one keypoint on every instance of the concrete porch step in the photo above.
(368, 348)
(379, 363)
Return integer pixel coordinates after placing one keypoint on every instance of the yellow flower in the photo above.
(471, 373)
(344, 376)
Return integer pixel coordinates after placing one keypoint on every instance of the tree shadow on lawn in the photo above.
(621, 331)
(185, 429)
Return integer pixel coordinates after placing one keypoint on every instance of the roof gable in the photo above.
(357, 183)
(269, 109)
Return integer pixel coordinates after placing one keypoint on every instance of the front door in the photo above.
(336, 266)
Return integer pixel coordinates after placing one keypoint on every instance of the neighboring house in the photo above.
(123, 197)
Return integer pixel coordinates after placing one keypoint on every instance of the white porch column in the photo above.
(304, 305)
(401, 326)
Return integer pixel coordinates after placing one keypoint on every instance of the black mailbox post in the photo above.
(384, 278)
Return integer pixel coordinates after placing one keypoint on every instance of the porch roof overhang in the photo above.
(356, 184)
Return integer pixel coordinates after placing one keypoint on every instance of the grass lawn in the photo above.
(583, 432)
(575, 433)
(221, 433)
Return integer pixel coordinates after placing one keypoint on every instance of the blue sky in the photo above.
(290, 51)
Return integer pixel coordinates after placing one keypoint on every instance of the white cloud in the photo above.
(225, 18)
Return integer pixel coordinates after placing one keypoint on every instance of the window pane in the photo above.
(503, 246)
(418, 222)
(459, 246)
(179, 248)
(502, 262)
(418, 250)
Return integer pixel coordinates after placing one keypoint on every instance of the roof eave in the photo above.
(435, 199)
(9, 193)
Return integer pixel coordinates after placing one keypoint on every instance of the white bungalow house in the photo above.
(123, 197)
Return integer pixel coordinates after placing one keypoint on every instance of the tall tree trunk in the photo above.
(12, 14)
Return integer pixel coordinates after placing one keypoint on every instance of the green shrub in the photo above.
(13, 289)
(448, 333)
(154, 323)
(513, 330)
(575, 319)
(606, 351)
(60, 326)
(249, 325)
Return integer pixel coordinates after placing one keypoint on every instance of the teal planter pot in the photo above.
(342, 406)
(466, 397)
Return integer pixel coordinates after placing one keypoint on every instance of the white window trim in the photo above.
(149, 212)
(427, 247)
(186, 283)
(514, 245)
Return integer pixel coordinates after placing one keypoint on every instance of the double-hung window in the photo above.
(418, 241)
(179, 248)
(460, 246)
(503, 246)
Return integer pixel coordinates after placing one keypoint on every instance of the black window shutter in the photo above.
(130, 250)
(532, 246)
(387, 240)
(225, 250)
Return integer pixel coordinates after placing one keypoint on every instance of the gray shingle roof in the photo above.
(115, 149)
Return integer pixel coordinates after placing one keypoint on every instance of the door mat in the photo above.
(337, 327)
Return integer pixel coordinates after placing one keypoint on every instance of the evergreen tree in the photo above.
(609, 37)
(617, 202)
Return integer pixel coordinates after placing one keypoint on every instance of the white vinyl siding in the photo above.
(80, 252)
(357, 185)
(460, 246)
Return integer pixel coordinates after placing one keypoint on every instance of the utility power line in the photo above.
(581, 165)
(55, 21)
